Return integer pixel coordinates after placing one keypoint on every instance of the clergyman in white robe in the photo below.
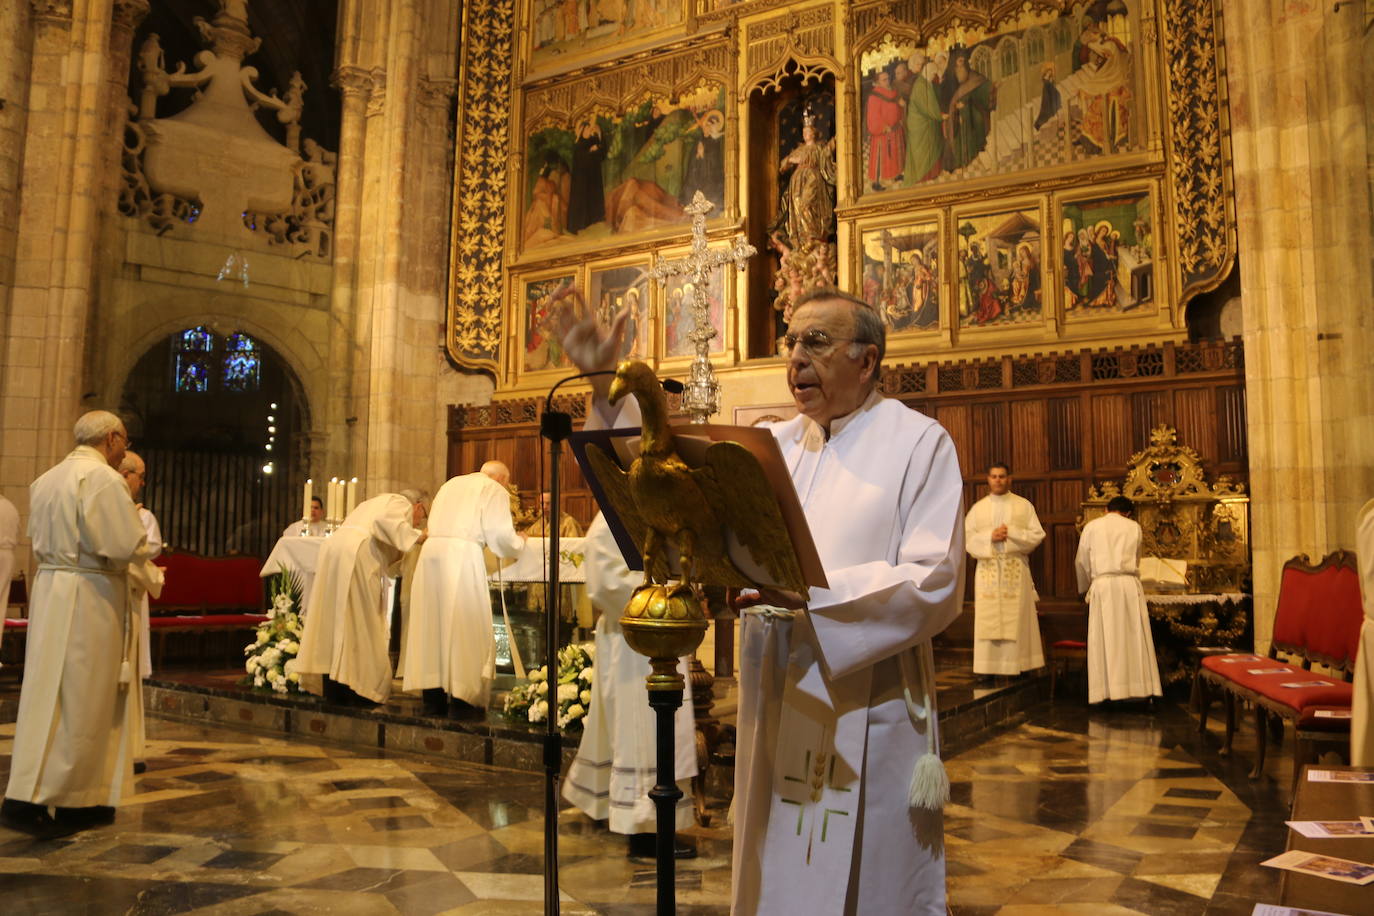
(1121, 651)
(450, 641)
(1006, 633)
(1362, 707)
(346, 635)
(837, 703)
(9, 539)
(71, 741)
(617, 763)
(144, 582)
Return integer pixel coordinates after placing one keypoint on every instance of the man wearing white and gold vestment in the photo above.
(71, 741)
(1000, 531)
(838, 787)
(1121, 650)
(450, 641)
(346, 636)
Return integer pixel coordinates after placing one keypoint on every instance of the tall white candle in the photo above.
(333, 500)
(305, 502)
(352, 499)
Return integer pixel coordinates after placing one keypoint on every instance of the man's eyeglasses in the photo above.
(816, 342)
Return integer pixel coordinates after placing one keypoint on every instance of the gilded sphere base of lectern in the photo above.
(664, 622)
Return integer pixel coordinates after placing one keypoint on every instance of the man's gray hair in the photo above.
(94, 426)
(868, 324)
(416, 495)
(132, 462)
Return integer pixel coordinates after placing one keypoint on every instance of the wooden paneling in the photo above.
(1030, 446)
(1110, 430)
(1148, 410)
(1065, 431)
(955, 419)
(1231, 445)
(1195, 419)
(991, 433)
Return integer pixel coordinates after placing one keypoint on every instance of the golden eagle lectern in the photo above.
(662, 501)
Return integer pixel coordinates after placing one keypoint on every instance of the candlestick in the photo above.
(351, 501)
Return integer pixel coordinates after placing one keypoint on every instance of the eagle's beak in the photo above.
(619, 388)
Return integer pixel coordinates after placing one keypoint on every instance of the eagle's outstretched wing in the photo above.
(615, 484)
(743, 500)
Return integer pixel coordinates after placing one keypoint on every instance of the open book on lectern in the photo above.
(788, 531)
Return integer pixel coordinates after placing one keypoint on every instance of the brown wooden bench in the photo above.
(1317, 619)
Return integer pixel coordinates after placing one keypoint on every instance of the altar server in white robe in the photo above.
(838, 787)
(1362, 709)
(1121, 651)
(315, 529)
(9, 539)
(71, 742)
(617, 763)
(346, 635)
(451, 644)
(1000, 532)
(144, 582)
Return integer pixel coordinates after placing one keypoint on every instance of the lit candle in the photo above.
(305, 502)
(333, 501)
(352, 497)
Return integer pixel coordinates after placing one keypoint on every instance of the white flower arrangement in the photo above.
(271, 661)
(529, 701)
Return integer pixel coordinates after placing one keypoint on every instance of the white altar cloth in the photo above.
(298, 556)
(531, 563)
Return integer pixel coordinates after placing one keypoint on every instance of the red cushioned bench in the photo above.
(1318, 619)
(205, 595)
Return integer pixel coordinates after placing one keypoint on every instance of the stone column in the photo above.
(1298, 114)
(59, 180)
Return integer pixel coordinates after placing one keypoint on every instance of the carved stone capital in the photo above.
(376, 102)
(54, 11)
(352, 82)
(436, 93)
(129, 13)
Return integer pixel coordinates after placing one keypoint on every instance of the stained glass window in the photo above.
(191, 370)
(242, 363)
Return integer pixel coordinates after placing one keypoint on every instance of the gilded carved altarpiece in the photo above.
(1081, 145)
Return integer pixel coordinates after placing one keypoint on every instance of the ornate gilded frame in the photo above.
(908, 341)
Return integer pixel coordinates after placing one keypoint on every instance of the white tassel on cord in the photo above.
(929, 781)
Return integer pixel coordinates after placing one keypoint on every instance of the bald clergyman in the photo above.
(450, 643)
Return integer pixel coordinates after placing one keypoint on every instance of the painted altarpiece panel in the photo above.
(615, 286)
(675, 318)
(539, 347)
(901, 271)
(999, 259)
(613, 157)
(1106, 257)
(1042, 88)
(562, 34)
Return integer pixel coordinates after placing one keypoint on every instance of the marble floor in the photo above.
(1071, 811)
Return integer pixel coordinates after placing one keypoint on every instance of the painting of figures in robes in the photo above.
(999, 262)
(900, 267)
(678, 311)
(564, 33)
(542, 349)
(608, 175)
(1107, 254)
(613, 288)
(1044, 90)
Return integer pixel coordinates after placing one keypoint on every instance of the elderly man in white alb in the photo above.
(450, 643)
(1000, 531)
(145, 579)
(843, 684)
(316, 528)
(1121, 651)
(71, 741)
(346, 636)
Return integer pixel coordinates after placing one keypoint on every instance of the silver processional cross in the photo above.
(701, 395)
